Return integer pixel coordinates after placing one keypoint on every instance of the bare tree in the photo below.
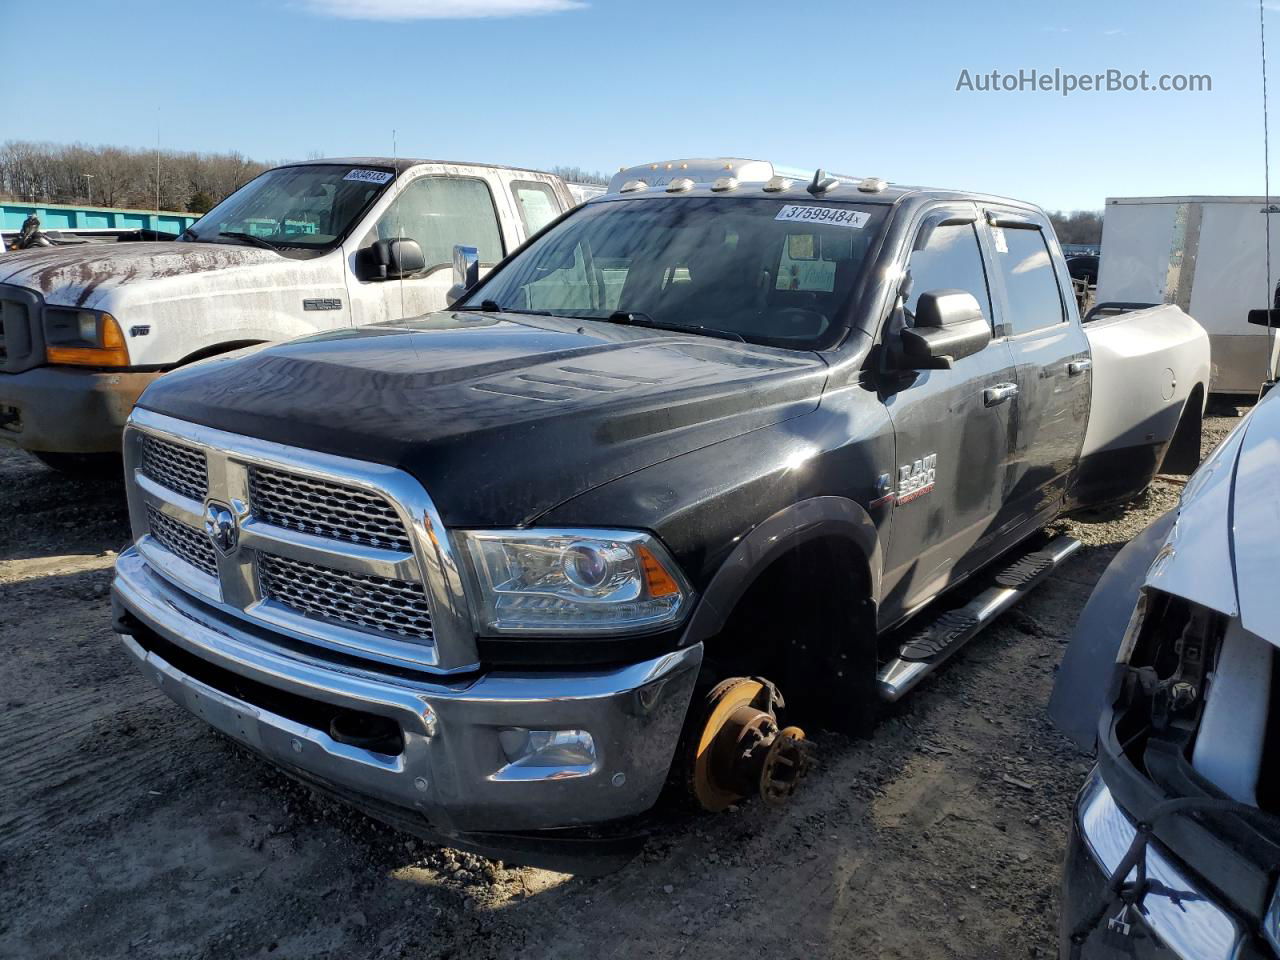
(120, 177)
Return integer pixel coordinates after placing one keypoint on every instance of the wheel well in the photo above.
(1183, 453)
(214, 350)
(806, 622)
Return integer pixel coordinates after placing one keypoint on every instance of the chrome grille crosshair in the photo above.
(184, 541)
(182, 469)
(376, 577)
(325, 509)
(395, 607)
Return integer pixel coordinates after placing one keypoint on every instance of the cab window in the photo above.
(440, 212)
(537, 204)
(950, 260)
(1030, 282)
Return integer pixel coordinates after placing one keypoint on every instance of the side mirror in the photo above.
(466, 272)
(949, 326)
(392, 259)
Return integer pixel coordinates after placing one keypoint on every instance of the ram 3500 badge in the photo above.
(502, 573)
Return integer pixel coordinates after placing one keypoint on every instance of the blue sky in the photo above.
(855, 87)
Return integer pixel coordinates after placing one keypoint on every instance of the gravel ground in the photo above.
(128, 829)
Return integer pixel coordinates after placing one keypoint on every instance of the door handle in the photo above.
(998, 394)
(1077, 367)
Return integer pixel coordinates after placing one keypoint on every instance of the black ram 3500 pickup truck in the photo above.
(502, 573)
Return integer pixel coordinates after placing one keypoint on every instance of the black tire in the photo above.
(88, 465)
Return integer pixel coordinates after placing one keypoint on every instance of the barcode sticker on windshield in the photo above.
(831, 216)
(369, 176)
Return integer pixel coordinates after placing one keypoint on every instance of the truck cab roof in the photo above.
(401, 164)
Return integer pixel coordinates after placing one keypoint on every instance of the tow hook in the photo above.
(737, 749)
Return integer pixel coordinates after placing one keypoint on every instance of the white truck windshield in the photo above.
(769, 271)
(309, 207)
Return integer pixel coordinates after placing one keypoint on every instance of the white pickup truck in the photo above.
(303, 248)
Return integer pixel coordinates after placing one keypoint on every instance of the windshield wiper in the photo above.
(636, 319)
(255, 241)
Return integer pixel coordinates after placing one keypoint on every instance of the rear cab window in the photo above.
(536, 203)
(1030, 281)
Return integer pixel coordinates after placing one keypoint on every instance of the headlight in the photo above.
(87, 338)
(572, 581)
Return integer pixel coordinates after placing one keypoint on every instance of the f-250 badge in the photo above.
(916, 479)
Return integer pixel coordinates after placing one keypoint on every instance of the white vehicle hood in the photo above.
(1224, 550)
(90, 275)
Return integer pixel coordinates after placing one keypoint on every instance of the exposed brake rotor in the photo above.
(737, 750)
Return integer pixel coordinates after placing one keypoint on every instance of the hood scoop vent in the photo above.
(560, 384)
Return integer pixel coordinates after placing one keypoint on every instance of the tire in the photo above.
(87, 465)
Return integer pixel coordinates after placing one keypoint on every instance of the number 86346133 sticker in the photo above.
(831, 216)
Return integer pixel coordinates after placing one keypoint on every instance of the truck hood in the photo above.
(88, 275)
(500, 417)
(1225, 545)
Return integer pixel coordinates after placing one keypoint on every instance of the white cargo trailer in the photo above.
(1208, 256)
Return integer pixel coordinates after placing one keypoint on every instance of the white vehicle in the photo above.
(303, 248)
(1208, 256)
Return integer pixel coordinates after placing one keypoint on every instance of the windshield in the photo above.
(769, 271)
(308, 207)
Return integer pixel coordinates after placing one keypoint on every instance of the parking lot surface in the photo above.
(129, 829)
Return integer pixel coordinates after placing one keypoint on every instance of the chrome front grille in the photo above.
(182, 469)
(183, 541)
(394, 607)
(315, 547)
(325, 509)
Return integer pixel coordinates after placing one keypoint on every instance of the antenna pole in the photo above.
(1266, 209)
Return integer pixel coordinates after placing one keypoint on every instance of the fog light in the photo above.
(547, 748)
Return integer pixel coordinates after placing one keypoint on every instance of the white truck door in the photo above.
(437, 210)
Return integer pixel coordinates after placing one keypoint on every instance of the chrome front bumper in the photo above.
(1187, 922)
(453, 770)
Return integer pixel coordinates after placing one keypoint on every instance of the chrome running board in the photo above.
(931, 645)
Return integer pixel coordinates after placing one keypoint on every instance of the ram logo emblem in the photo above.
(915, 479)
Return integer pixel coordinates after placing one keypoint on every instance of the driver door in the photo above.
(953, 428)
(437, 211)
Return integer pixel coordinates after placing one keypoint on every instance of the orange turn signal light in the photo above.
(661, 583)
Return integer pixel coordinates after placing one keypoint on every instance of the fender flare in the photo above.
(793, 525)
(1086, 677)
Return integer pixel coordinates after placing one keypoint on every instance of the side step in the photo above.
(929, 647)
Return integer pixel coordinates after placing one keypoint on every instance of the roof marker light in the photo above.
(724, 183)
(634, 186)
(821, 182)
(778, 184)
(680, 185)
(872, 184)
